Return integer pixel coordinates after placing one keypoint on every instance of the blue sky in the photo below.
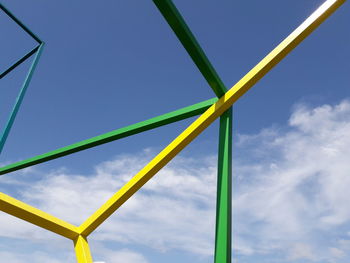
(109, 65)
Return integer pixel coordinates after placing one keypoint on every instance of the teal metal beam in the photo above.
(146, 125)
(37, 50)
(224, 191)
(184, 34)
(19, 99)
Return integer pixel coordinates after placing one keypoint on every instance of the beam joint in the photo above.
(20, 97)
(37, 217)
(82, 250)
(209, 116)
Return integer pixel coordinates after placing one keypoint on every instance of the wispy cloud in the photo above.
(173, 211)
(295, 194)
(290, 196)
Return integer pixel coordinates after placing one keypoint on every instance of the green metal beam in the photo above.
(184, 34)
(149, 124)
(224, 191)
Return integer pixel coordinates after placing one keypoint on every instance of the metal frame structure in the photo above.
(210, 110)
(37, 51)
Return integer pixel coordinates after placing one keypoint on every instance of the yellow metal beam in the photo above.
(37, 217)
(82, 250)
(231, 96)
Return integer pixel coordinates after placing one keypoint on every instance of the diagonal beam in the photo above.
(139, 127)
(37, 217)
(19, 62)
(19, 99)
(184, 34)
(18, 22)
(37, 50)
(209, 116)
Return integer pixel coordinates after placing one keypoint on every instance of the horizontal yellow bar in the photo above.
(209, 116)
(37, 217)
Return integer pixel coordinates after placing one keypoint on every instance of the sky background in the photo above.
(114, 63)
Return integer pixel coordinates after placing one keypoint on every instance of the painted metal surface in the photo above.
(82, 250)
(220, 108)
(19, 99)
(37, 217)
(186, 37)
(19, 62)
(224, 191)
(37, 50)
(223, 104)
(136, 128)
(223, 216)
(18, 22)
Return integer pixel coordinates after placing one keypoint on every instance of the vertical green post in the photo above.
(224, 191)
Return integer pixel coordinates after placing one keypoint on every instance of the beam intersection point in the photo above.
(37, 51)
(209, 111)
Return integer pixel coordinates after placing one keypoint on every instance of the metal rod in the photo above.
(146, 125)
(188, 40)
(37, 217)
(20, 61)
(82, 250)
(19, 99)
(18, 22)
(224, 191)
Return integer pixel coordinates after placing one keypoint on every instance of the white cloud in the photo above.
(301, 251)
(336, 252)
(175, 210)
(7, 257)
(297, 189)
(290, 195)
(124, 255)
